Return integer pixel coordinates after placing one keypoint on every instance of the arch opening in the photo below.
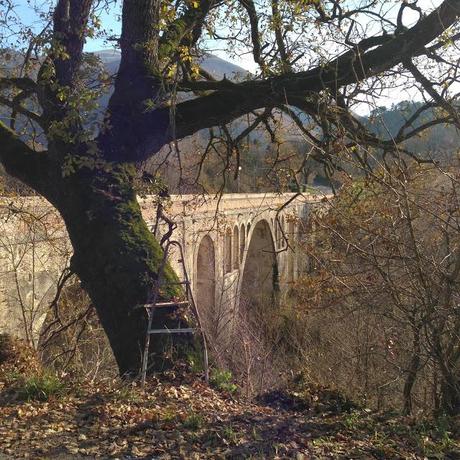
(260, 274)
(206, 279)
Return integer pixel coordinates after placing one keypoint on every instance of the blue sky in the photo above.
(24, 10)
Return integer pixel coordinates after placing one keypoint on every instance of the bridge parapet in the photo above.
(189, 205)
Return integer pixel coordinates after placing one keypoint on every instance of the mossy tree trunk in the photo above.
(115, 255)
(116, 258)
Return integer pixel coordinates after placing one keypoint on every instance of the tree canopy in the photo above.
(323, 58)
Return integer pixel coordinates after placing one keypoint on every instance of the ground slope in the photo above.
(189, 420)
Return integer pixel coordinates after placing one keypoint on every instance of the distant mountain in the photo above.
(220, 68)
(214, 65)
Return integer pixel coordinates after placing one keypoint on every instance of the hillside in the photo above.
(440, 141)
(216, 66)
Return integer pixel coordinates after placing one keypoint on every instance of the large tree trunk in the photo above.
(116, 258)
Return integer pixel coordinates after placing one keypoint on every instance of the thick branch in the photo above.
(23, 83)
(22, 162)
(352, 67)
(186, 29)
(70, 20)
(277, 23)
(150, 131)
(17, 107)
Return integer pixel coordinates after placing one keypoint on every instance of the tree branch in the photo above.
(352, 67)
(254, 24)
(17, 107)
(20, 161)
(428, 86)
(149, 131)
(23, 83)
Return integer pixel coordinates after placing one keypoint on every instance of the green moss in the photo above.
(133, 238)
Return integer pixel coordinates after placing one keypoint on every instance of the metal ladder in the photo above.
(188, 302)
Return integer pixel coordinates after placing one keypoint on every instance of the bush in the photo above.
(381, 295)
(17, 360)
(6, 349)
(74, 341)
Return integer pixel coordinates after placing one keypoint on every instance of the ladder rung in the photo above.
(184, 330)
(166, 304)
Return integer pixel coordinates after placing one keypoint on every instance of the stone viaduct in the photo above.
(237, 248)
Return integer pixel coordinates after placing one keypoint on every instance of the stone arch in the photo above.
(228, 251)
(259, 279)
(236, 249)
(205, 294)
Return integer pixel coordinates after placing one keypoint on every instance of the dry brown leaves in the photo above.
(184, 421)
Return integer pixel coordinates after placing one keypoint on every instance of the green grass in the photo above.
(194, 358)
(351, 420)
(40, 387)
(230, 434)
(193, 422)
(222, 380)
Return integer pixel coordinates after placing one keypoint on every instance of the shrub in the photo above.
(74, 341)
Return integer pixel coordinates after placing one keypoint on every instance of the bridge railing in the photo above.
(205, 204)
